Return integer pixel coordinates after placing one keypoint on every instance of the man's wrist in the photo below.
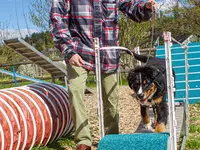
(70, 54)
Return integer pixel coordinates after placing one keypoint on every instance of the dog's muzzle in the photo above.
(140, 96)
(142, 99)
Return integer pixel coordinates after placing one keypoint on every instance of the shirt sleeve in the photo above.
(135, 10)
(59, 22)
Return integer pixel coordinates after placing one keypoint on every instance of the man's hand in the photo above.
(76, 60)
(151, 4)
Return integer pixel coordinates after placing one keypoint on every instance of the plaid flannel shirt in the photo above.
(74, 24)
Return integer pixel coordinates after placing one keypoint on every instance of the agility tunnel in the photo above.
(33, 115)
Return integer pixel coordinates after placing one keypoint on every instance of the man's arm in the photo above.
(137, 10)
(59, 21)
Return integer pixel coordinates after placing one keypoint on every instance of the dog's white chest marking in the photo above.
(140, 91)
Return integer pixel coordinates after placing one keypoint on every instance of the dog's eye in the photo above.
(148, 81)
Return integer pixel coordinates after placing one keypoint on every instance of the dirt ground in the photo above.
(129, 112)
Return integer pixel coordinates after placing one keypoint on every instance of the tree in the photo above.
(7, 55)
(39, 13)
(132, 34)
(41, 41)
(191, 17)
(179, 21)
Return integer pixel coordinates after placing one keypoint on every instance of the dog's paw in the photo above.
(160, 128)
(148, 126)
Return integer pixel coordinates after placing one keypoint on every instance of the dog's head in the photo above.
(142, 81)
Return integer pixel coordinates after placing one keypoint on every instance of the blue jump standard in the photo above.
(178, 63)
(144, 141)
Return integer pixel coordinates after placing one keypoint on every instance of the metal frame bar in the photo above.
(187, 116)
(99, 87)
(21, 76)
(170, 89)
(137, 51)
(184, 45)
(42, 55)
(187, 89)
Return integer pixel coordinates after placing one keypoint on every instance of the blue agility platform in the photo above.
(178, 63)
(145, 141)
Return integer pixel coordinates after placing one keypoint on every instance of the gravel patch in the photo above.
(129, 112)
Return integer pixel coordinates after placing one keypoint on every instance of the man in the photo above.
(74, 25)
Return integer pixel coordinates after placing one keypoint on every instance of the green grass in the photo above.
(4, 86)
(60, 144)
(10, 85)
(193, 141)
(195, 129)
(194, 118)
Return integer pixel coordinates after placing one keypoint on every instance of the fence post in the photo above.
(14, 75)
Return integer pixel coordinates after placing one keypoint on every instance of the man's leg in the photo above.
(77, 84)
(110, 96)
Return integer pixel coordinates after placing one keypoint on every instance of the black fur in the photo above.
(154, 72)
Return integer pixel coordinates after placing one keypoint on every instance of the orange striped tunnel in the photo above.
(33, 115)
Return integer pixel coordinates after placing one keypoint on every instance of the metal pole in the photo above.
(65, 77)
(14, 76)
(184, 45)
(99, 87)
(170, 90)
(186, 94)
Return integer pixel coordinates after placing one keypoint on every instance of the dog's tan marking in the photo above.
(146, 118)
(150, 91)
(158, 100)
(160, 128)
(155, 123)
(145, 81)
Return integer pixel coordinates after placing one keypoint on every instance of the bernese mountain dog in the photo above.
(149, 83)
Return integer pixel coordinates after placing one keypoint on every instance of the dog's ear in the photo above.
(147, 71)
(131, 77)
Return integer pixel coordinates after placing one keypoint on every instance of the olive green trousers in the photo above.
(77, 77)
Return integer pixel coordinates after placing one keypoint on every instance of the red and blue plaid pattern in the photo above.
(74, 24)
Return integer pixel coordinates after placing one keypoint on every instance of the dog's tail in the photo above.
(141, 58)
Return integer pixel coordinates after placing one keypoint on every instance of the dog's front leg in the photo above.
(162, 113)
(155, 116)
(145, 116)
